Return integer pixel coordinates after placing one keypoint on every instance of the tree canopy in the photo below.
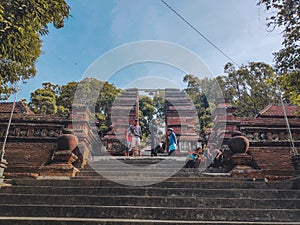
(249, 88)
(97, 95)
(43, 100)
(146, 113)
(285, 15)
(22, 22)
(197, 89)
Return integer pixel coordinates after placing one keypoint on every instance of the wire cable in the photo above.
(294, 149)
(199, 33)
(9, 122)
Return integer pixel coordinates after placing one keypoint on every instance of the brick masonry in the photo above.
(32, 140)
(268, 135)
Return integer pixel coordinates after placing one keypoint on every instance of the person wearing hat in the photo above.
(172, 141)
(136, 132)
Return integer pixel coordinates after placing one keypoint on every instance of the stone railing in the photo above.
(265, 136)
(270, 141)
(31, 131)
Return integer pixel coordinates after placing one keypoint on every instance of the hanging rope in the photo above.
(10, 119)
(294, 149)
(199, 33)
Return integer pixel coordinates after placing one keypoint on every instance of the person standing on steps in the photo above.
(172, 141)
(128, 140)
(136, 133)
(154, 137)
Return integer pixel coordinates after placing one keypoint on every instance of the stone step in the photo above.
(113, 170)
(187, 197)
(184, 182)
(154, 201)
(142, 160)
(149, 212)
(189, 178)
(141, 172)
(110, 221)
(154, 191)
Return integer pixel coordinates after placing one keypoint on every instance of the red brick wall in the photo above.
(24, 153)
(274, 160)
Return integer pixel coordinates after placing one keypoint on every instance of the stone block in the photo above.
(243, 171)
(64, 156)
(59, 169)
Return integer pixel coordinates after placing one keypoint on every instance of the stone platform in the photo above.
(186, 197)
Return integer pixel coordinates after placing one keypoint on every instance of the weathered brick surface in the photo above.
(270, 143)
(274, 160)
(32, 139)
(29, 153)
(180, 113)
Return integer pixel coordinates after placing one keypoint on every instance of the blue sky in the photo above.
(99, 26)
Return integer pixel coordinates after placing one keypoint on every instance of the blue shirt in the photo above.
(172, 141)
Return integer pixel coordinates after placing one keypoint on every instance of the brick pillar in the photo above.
(85, 130)
(124, 110)
(180, 115)
(225, 122)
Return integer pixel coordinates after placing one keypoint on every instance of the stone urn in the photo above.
(67, 141)
(238, 143)
(241, 163)
(63, 159)
(66, 144)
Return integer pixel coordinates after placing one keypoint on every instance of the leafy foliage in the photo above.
(66, 95)
(249, 88)
(198, 90)
(289, 84)
(285, 15)
(98, 96)
(43, 100)
(159, 105)
(146, 112)
(22, 22)
(106, 98)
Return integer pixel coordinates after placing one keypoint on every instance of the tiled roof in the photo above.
(277, 111)
(20, 107)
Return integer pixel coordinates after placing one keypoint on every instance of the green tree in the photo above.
(87, 92)
(99, 97)
(198, 90)
(146, 113)
(107, 95)
(249, 88)
(55, 88)
(65, 98)
(285, 15)
(22, 22)
(43, 100)
(289, 84)
(159, 105)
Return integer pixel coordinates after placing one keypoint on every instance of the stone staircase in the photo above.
(185, 198)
